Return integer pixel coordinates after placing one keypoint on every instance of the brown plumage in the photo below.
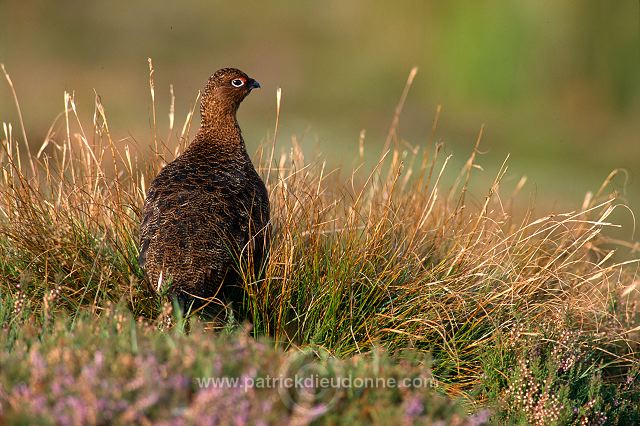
(207, 210)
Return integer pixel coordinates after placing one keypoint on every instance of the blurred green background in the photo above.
(557, 82)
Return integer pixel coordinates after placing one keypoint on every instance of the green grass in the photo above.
(378, 272)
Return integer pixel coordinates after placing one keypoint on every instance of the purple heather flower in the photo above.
(480, 418)
(38, 365)
(414, 407)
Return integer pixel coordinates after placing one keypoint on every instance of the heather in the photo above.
(400, 268)
(122, 370)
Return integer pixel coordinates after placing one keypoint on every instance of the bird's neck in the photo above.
(220, 132)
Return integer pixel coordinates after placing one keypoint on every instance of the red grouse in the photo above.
(207, 212)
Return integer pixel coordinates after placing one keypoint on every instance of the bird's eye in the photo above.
(237, 82)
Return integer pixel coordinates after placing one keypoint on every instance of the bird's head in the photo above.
(224, 92)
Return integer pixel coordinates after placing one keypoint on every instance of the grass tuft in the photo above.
(534, 317)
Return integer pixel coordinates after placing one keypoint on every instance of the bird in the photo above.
(207, 212)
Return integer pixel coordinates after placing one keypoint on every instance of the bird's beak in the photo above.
(253, 84)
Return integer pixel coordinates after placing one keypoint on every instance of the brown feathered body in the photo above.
(207, 212)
